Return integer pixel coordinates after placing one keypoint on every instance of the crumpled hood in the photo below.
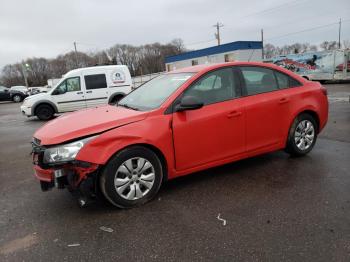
(86, 122)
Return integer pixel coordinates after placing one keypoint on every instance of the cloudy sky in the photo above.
(42, 28)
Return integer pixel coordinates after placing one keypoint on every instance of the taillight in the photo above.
(324, 90)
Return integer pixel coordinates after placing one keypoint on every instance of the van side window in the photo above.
(95, 81)
(73, 84)
(69, 85)
(258, 80)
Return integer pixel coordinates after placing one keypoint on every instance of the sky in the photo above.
(42, 28)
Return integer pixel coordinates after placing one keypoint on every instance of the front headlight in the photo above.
(66, 152)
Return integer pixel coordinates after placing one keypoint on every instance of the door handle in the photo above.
(283, 100)
(80, 93)
(88, 92)
(234, 114)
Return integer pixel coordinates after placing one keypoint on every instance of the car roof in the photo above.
(104, 67)
(211, 66)
(13, 87)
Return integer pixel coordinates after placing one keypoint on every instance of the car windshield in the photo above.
(153, 93)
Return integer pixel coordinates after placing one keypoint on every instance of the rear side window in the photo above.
(95, 81)
(285, 81)
(259, 80)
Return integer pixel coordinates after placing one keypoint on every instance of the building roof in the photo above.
(238, 45)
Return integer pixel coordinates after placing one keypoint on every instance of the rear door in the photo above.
(96, 89)
(69, 95)
(267, 109)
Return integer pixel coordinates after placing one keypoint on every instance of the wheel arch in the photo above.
(117, 94)
(43, 102)
(154, 149)
(311, 112)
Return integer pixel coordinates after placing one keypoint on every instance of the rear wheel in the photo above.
(302, 135)
(44, 112)
(132, 177)
(17, 98)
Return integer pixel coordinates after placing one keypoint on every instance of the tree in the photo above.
(331, 45)
(140, 59)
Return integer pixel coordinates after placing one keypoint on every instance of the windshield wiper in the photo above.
(129, 107)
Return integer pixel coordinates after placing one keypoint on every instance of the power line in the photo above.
(271, 9)
(201, 42)
(307, 30)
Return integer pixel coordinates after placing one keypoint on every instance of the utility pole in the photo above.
(25, 68)
(76, 54)
(262, 43)
(217, 34)
(339, 45)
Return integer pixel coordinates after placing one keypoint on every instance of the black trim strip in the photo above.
(72, 101)
(119, 86)
(96, 98)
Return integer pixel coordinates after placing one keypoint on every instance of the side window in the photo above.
(2, 89)
(62, 88)
(282, 79)
(258, 80)
(214, 87)
(73, 84)
(95, 81)
(285, 81)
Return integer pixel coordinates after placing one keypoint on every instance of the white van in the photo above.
(80, 88)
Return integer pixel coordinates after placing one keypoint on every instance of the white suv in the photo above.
(80, 88)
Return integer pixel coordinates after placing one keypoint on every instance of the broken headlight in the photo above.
(64, 153)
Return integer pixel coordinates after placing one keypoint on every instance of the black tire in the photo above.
(17, 98)
(44, 112)
(109, 173)
(116, 99)
(292, 148)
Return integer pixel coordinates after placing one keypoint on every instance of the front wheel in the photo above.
(44, 112)
(302, 135)
(132, 177)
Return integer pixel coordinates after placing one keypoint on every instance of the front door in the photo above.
(96, 89)
(69, 96)
(215, 131)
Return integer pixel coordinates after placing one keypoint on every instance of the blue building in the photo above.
(234, 51)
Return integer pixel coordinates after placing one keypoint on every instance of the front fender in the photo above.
(154, 131)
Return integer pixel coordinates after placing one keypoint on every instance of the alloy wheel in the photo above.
(134, 178)
(304, 134)
(17, 98)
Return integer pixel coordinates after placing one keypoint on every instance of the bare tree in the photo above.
(331, 45)
(140, 60)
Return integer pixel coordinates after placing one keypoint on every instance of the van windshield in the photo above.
(153, 93)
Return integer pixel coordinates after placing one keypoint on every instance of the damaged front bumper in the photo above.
(76, 176)
(70, 175)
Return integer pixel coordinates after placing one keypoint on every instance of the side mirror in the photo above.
(58, 91)
(189, 103)
(6, 90)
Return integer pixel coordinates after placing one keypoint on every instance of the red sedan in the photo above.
(179, 123)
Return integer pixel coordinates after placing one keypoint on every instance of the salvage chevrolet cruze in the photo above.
(179, 123)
